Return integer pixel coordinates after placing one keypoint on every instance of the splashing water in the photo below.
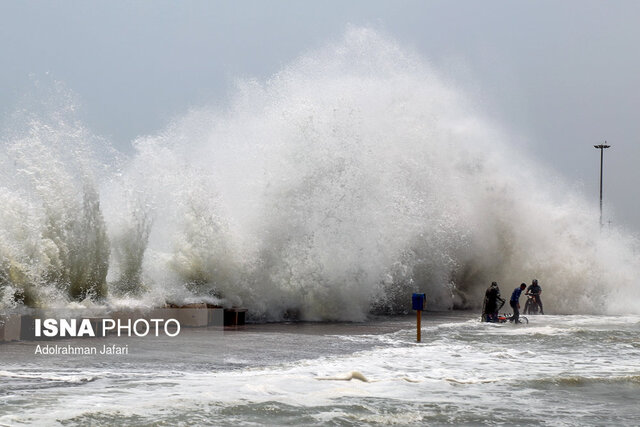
(352, 178)
(53, 231)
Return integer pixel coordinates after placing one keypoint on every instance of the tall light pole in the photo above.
(601, 147)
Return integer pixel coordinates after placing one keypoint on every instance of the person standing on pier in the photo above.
(491, 298)
(515, 302)
(535, 290)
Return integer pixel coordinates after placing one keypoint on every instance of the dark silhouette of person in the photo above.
(515, 302)
(491, 298)
(535, 290)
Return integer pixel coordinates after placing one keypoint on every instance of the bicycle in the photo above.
(504, 318)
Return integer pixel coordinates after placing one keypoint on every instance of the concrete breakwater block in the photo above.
(10, 326)
(197, 315)
(189, 315)
(215, 315)
(193, 315)
(28, 327)
(234, 316)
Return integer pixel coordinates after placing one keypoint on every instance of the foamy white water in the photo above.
(558, 370)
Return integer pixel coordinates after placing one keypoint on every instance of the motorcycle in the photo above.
(531, 306)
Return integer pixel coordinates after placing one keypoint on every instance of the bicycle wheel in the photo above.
(524, 320)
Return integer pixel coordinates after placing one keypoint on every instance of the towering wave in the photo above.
(352, 178)
(53, 234)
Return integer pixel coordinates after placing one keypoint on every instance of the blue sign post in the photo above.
(417, 302)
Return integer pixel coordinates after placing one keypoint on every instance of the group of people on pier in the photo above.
(492, 298)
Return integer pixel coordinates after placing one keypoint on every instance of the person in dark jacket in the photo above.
(535, 290)
(491, 298)
(515, 302)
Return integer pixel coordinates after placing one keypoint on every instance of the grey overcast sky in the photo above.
(563, 75)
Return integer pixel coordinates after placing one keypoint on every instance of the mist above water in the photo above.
(352, 178)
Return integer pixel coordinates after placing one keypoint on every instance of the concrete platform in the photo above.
(10, 327)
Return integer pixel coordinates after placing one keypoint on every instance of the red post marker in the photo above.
(417, 302)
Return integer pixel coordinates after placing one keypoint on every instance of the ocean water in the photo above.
(571, 370)
(356, 175)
